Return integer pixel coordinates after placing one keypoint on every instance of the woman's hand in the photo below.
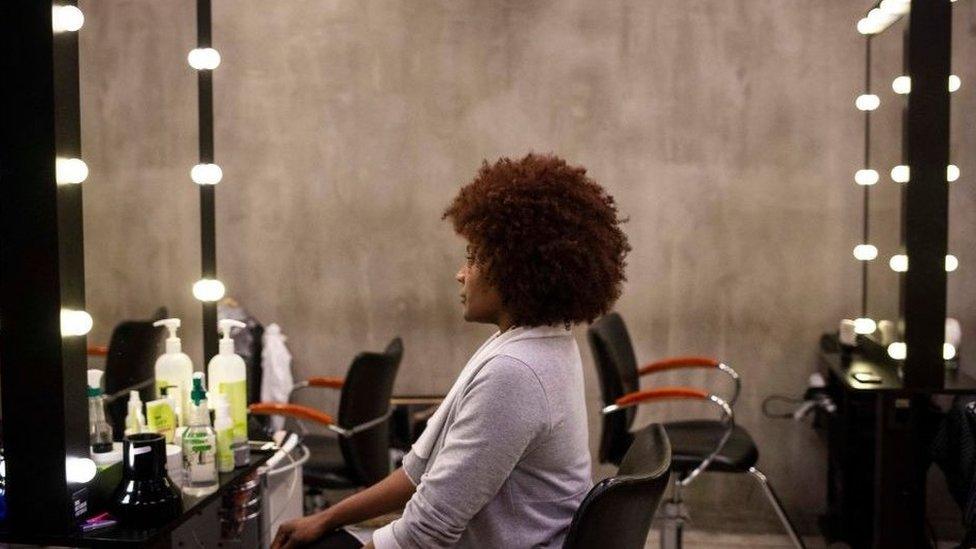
(300, 531)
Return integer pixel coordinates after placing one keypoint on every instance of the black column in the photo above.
(208, 229)
(926, 205)
(41, 270)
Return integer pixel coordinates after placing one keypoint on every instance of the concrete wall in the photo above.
(725, 129)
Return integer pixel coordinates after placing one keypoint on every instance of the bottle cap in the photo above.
(173, 344)
(226, 342)
(95, 382)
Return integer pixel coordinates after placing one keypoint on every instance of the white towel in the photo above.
(276, 378)
(494, 346)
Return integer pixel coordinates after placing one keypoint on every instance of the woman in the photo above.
(504, 462)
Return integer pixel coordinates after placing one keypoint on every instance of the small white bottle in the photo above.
(227, 374)
(225, 434)
(135, 420)
(174, 367)
(199, 445)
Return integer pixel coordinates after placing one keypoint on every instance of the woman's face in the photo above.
(482, 302)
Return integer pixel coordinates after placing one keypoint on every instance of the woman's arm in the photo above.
(390, 494)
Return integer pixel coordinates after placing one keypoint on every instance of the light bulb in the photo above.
(898, 350)
(952, 173)
(79, 470)
(864, 326)
(901, 174)
(948, 351)
(902, 85)
(75, 323)
(866, 177)
(951, 263)
(867, 102)
(206, 174)
(70, 171)
(898, 263)
(954, 83)
(66, 18)
(865, 252)
(204, 59)
(208, 289)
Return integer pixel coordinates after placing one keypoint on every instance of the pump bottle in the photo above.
(228, 376)
(199, 445)
(224, 428)
(174, 368)
(99, 431)
(135, 420)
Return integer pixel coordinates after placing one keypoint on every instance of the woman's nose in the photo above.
(460, 275)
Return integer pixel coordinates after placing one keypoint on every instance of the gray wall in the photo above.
(725, 129)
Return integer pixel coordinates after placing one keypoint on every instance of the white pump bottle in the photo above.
(227, 375)
(174, 368)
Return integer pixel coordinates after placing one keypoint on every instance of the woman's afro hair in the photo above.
(547, 236)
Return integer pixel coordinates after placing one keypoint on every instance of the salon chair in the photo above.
(617, 512)
(696, 446)
(356, 454)
(129, 359)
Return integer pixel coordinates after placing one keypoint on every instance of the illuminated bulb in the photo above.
(75, 323)
(948, 351)
(952, 173)
(898, 350)
(208, 289)
(898, 263)
(864, 326)
(70, 171)
(79, 470)
(900, 174)
(867, 102)
(902, 85)
(954, 83)
(866, 177)
(204, 59)
(951, 263)
(206, 174)
(66, 18)
(865, 252)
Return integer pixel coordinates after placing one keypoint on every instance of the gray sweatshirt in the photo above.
(512, 464)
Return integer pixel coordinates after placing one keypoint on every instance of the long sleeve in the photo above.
(500, 417)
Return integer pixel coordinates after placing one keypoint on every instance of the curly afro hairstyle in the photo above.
(547, 236)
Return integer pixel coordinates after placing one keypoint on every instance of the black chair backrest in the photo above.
(366, 396)
(618, 511)
(616, 366)
(132, 352)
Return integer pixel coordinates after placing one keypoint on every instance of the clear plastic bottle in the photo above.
(199, 446)
(224, 427)
(99, 430)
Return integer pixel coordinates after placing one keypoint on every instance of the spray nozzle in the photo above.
(95, 382)
(226, 342)
(173, 344)
(134, 399)
(198, 394)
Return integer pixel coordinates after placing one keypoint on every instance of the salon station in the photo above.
(488, 274)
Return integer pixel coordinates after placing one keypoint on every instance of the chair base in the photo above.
(675, 513)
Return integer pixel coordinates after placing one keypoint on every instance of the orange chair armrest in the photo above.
(296, 411)
(329, 382)
(663, 393)
(678, 362)
(97, 350)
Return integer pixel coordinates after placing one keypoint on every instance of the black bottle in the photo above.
(146, 497)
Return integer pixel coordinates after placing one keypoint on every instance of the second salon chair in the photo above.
(357, 453)
(696, 446)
